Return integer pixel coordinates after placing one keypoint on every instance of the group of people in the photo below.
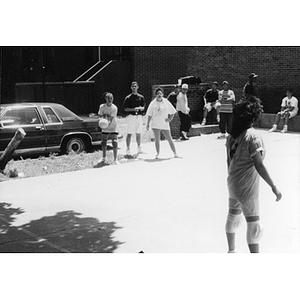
(245, 146)
(160, 113)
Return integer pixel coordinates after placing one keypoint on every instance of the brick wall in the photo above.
(278, 68)
(158, 65)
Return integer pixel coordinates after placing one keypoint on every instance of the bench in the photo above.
(267, 121)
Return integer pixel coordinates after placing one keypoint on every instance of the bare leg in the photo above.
(286, 118)
(168, 136)
(128, 140)
(157, 140)
(104, 147)
(138, 139)
(230, 241)
(115, 149)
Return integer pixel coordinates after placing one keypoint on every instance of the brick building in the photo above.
(278, 68)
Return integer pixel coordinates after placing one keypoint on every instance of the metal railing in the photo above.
(92, 67)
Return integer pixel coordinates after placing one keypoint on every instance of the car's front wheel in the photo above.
(74, 144)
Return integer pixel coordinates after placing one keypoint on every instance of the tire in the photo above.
(75, 144)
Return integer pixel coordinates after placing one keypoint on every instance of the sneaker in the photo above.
(184, 137)
(157, 156)
(115, 163)
(231, 251)
(177, 156)
(128, 152)
(284, 130)
(203, 122)
(273, 129)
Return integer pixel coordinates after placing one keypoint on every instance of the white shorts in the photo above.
(134, 124)
(209, 107)
(293, 113)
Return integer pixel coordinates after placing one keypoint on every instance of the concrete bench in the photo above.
(267, 121)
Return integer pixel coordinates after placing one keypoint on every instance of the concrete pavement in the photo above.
(157, 206)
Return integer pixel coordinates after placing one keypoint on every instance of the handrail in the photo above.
(100, 70)
(98, 62)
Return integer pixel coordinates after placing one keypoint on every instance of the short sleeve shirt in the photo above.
(243, 179)
(132, 101)
(292, 102)
(211, 95)
(107, 112)
(159, 111)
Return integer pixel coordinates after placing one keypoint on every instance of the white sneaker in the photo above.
(115, 163)
(177, 156)
(128, 152)
(157, 156)
(231, 251)
(274, 128)
(285, 129)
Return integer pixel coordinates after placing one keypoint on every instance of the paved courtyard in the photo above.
(155, 206)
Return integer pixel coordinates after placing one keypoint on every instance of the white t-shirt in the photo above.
(159, 111)
(287, 103)
(109, 112)
(182, 103)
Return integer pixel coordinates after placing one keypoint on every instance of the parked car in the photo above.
(49, 127)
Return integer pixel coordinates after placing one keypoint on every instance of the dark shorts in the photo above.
(107, 135)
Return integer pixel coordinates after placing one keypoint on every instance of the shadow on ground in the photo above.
(63, 232)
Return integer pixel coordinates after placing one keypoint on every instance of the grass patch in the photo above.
(52, 164)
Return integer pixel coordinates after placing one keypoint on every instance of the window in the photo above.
(20, 116)
(51, 116)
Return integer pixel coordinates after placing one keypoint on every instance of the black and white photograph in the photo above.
(140, 155)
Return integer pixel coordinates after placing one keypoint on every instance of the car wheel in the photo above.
(76, 145)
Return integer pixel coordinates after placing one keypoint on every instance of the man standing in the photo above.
(211, 98)
(183, 112)
(226, 99)
(134, 106)
(250, 88)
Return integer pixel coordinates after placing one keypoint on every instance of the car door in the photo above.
(28, 118)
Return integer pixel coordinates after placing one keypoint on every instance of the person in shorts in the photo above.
(211, 100)
(134, 106)
(289, 109)
(245, 155)
(160, 113)
(109, 111)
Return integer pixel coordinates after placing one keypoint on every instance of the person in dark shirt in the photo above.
(172, 97)
(250, 88)
(134, 106)
(211, 100)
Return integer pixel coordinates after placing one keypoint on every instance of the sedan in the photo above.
(49, 127)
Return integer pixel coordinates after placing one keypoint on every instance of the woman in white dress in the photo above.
(160, 113)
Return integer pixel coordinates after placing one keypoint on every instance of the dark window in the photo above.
(115, 53)
(51, 116)
(20, 116)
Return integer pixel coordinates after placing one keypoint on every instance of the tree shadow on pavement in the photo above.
(63, 232)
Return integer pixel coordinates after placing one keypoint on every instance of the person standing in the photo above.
(245, 155)
(109, 111)
(226, 98)
(134, 106)
(211, 98)
(183, 112)
(250, 88)
(160, 113)
(289, 109)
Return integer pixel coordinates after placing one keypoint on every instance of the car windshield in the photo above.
(65, 114)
